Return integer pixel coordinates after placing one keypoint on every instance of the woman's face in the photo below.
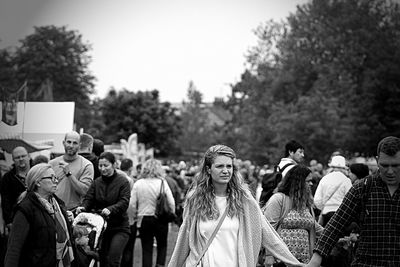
(48, 183)
(309, 180)
(221, 170)
(106, 167)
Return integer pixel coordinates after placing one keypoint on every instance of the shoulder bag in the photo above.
(163, 212)
(321, 220)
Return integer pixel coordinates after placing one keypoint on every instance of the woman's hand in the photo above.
(269, 261)
(79, 210)
(105, 212)
(70, 216)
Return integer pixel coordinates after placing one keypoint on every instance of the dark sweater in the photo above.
(112, 193)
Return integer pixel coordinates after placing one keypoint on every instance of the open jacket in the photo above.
(254, 232)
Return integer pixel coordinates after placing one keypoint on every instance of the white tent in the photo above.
(41, 122)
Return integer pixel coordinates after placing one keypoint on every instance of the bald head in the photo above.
(71, 144)
(72, 134)
(21, 158)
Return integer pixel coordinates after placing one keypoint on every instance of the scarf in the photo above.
(64, 251)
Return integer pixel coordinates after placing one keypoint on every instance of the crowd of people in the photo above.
(229, 212)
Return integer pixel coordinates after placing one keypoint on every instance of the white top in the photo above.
(331, 191)
(223, 250)
(144, 196)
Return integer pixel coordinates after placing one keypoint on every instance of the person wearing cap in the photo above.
(332, 188)
(376, 207)
(40, 233)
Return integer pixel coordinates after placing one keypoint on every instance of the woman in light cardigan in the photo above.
(244, 230)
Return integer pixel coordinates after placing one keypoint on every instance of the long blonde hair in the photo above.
(200, 200)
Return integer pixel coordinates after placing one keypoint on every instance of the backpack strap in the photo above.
(366, 191)
(285, 166)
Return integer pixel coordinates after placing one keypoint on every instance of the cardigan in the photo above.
(254, 232)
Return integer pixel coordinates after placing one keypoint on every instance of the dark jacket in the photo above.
(112, 193)
(10, 189)
(32, 241)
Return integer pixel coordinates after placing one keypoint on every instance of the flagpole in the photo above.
(23, 116)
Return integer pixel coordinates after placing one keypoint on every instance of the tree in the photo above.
(156, 124)
(322, 77)
(7, 71)
(54, 61)
(197, 132)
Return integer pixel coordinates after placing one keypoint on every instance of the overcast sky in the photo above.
(154, 44)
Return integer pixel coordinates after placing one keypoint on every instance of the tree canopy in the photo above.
(327, 77)
(54, 62)
(124, 112)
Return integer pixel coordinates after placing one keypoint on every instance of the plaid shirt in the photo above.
(379, 240)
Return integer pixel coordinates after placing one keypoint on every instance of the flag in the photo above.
(10, 105)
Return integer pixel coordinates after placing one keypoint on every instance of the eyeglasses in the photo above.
(53, 178)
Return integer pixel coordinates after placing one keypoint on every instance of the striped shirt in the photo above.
(379, 240)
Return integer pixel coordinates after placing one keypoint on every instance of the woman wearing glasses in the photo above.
(40, 234)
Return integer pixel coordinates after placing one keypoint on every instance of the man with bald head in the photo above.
(74, 172)
(13, 183)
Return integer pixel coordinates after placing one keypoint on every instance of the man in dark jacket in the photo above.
(13, 183)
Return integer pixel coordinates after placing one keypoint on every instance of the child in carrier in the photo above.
(81, 235)
(87, 233)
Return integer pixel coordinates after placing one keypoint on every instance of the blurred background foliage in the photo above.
(327, 76)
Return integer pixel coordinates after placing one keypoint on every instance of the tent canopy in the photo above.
(8, 145)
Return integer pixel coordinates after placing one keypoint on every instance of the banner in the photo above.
(10, 105)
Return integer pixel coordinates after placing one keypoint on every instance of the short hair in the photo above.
(40, 159)
(126, 164)
(108, 156)
(79, 231)
(19, 148)
(292, 145)
(75, 133)
(389, 145)
(360, 170)
(86, 141)
(98, 147)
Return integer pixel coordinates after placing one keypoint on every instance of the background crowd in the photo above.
(293, 200)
